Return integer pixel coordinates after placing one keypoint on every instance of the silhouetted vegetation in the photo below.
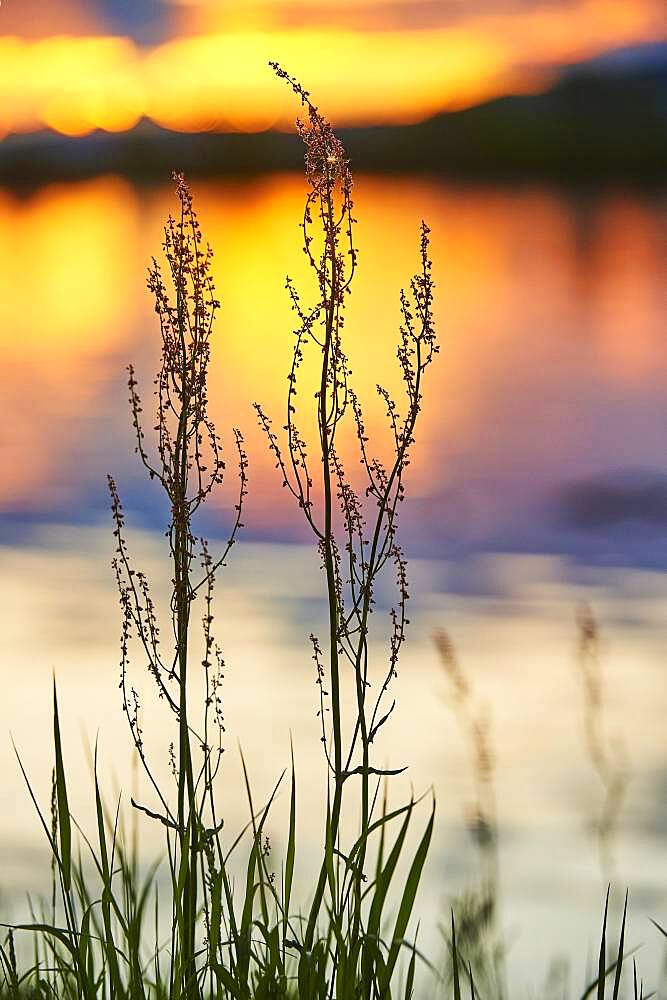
(108, 930)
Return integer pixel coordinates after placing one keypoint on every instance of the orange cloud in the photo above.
(73, 85)
(221, 80)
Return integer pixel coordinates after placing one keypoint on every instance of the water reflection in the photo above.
(550, 386)
(552, 368)
(515, 636)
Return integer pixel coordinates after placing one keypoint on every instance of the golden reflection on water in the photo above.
(518, 295)
(68, 264)
(540, 297)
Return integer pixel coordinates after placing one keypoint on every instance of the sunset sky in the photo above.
(76, 66)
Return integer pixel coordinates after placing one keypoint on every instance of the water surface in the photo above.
(539, 481)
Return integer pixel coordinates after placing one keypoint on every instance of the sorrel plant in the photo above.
(222, 943)
(103, 935)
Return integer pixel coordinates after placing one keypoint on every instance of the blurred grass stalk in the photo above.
(607, 756)
(476, 910)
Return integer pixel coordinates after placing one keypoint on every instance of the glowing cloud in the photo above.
(219, 79)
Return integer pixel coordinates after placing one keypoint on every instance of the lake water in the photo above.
(539, 482)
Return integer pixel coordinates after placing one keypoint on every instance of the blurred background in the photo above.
(558, 86)
(532, 136)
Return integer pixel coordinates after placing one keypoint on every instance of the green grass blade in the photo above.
(291, 844)
(383, 829)
(410, 978)
(107, 889)
(409, 895)
(64, 825)
(384, 880)
(656, 924)
(602, 960)
(455, 962)
(382, 822)
(619, 960)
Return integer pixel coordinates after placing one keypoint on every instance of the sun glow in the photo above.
(218, 79)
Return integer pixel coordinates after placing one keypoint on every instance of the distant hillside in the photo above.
(603, 119)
